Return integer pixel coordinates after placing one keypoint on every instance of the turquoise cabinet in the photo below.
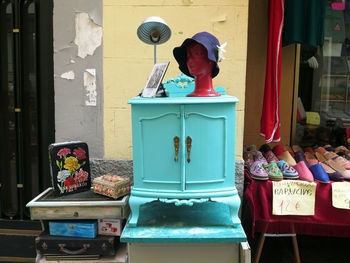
(184, 151)
(212, 160)
(154, 129)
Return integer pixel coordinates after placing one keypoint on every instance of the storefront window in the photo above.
(324, 83)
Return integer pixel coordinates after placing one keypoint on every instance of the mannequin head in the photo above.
(197, 58)
(208, 41)
(197, 62)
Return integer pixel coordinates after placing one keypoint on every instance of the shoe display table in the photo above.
(202, 233)
(327, 221)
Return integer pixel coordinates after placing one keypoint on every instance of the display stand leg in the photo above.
(135, 202)
(233, 202)
(260, 247)
(295, 246)
(260, 244)
(296, 249)
(262, 240)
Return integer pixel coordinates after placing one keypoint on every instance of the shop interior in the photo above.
(315, 120)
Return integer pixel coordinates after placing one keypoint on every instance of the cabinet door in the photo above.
(154, 130)
(211, 131)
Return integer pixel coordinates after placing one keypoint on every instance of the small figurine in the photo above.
(198, 57)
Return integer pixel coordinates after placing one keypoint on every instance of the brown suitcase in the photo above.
(46, 244)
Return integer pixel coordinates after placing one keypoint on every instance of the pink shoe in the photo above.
(304, 172)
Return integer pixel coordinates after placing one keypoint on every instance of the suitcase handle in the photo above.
(73, 252)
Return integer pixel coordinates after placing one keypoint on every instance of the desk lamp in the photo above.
(154, 31)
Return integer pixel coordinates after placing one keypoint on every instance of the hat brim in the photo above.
(180, 55)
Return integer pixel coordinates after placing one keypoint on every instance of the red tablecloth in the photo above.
(327, 221)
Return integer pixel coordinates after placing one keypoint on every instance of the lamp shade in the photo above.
(154, 31)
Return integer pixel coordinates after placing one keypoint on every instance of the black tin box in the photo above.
(70, 167)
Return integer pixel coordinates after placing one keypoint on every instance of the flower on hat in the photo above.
(221, 51)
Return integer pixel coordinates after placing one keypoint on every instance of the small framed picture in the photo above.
(155, 80)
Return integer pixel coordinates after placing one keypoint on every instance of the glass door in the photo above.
(22, 175)
(8, 142)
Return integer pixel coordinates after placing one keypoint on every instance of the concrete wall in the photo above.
(78, 72)
(105, 124)
(127, 61)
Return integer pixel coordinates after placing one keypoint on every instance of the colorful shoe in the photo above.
(342, 149)
(288, 171)
(338, 168)
(289, 149)
(251, 148)
(308, 149)
(258, 172)
(297, 148)
(255, 168)
(248, 159)
(283, 155)
(268, 154)
(299, 157)
(303, 171)
(340, 160)
(344, 155)
(273, 171)
(258, 156)
(319, 173)
(335, 173)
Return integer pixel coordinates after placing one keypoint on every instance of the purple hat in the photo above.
(209, 41)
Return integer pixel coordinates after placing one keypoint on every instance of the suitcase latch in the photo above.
(44, 246)
(104, 246)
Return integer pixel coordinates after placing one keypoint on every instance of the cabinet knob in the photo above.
(189, 145)
(176, 146)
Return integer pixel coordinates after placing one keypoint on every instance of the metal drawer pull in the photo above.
(189, 145)
(73, 252)
(176, 146)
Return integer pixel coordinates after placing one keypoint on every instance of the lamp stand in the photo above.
(155, 54)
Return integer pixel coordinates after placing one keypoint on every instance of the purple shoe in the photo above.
(299, 156)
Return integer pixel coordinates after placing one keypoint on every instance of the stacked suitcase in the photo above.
(78, 224)
(63, 247)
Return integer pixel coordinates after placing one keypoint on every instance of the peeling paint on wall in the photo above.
(90, 86)
(68, 75)
(88, 35)
(78, 47)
